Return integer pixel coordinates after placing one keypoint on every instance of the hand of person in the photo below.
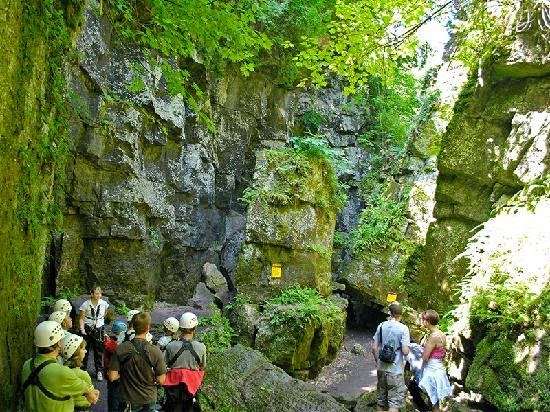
(92, 395)
(83, 332)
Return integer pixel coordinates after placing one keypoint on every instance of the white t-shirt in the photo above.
(94, 316)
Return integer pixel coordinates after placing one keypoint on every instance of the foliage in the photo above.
(286, 23)
(480, 31)
(48, 301)
(312, 121)
(365, 38)
(380, 225)
(299, 305)
(47, 152)
(122, 309)
(393, 109)
(293, 168)
(217, 332)
(213, 32)
(506, 307)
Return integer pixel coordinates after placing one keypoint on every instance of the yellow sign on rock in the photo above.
(392, 297)
(276, 270)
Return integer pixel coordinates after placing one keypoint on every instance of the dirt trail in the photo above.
(353, 372)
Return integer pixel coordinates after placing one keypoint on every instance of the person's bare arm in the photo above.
(374, 348)
(161, 379)
(81, 316)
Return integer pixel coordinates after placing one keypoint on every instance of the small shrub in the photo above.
(217, 333)
(305, 304)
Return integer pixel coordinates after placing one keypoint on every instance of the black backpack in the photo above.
(387, 354)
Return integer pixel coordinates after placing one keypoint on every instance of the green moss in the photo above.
(505, 383)
(35, 40)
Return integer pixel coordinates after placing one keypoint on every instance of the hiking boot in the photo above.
(99, 376)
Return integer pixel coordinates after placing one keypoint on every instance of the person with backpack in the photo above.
(47, 385)
(140, 367)
(390, 343)
(91, 320)
(110, 344)
(186, 360)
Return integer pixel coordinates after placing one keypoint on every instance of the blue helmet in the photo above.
(119, 326)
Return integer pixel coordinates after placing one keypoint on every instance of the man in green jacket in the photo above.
(47, 385)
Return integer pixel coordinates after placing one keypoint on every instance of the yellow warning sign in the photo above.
(392, 297)
(276, 270)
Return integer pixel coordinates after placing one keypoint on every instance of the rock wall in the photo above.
(33, 37)
(154, 194)
(496, 143)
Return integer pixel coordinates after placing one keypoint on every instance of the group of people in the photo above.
(136, 368)
(392, 346)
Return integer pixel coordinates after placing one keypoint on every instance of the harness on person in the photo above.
(180, 394)
(185, 345)
(33, 380)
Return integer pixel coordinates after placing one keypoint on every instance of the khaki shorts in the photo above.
(391, 390)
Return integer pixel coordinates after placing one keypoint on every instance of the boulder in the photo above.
(242, 379)
(202, 297)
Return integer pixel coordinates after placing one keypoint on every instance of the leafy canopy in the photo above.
(365, 37)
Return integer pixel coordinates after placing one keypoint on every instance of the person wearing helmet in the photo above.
(63, 318)
(91, 321)
(186, 360)
(171, 328)
(64, 305)
(140, 366)
(130, 333)
(110, 344)
(73, 350)
(47, 385)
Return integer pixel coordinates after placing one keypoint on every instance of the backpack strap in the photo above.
(185, 345)
(35, 381)
(140, 351)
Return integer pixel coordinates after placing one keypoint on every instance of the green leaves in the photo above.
(365, 38)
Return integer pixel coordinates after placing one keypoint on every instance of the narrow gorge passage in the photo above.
(353, 372)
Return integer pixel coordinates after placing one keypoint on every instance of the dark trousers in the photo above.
(416, 394)
(178, 399)
(114, 404)
(94, 342)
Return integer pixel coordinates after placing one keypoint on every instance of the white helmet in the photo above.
(69, 344)
(171, 324)
(58, 316)
(62, 304)
(188, 320)
(149, 337)
(131, 314)
(47, 334)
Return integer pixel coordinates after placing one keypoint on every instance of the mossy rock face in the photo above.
(290, 222)
(300, 338)
(370, 278)
(131, 280)
(242, 379)
(500, 342)
(505, 381)
(305, 268)
(301, 345)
